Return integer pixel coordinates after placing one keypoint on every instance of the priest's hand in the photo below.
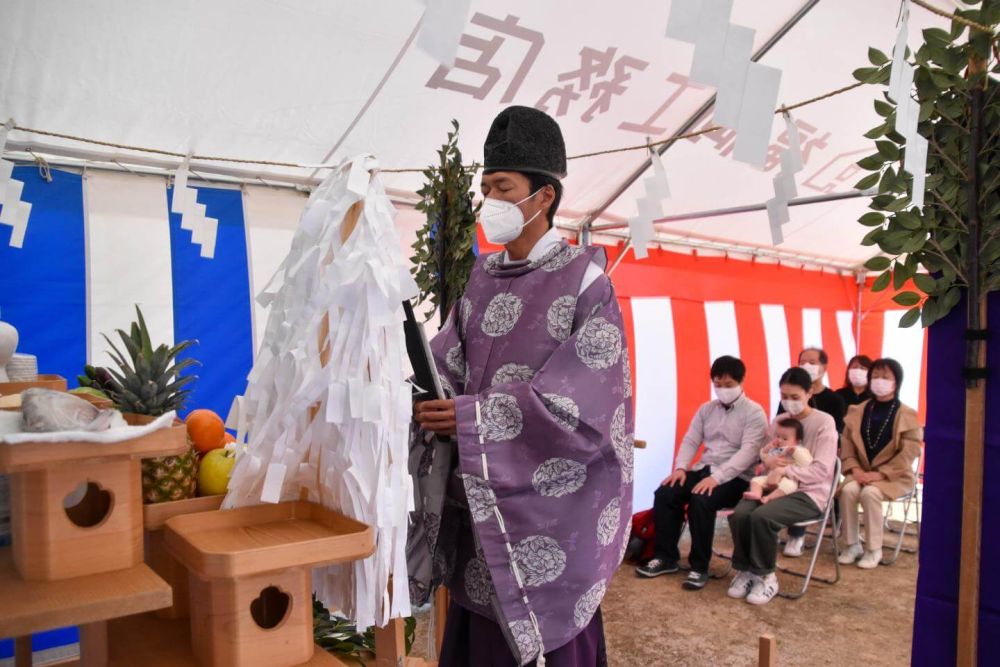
(436, 416)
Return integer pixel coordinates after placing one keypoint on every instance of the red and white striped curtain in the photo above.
(682, 311)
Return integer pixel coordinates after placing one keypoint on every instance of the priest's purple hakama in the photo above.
(526, 516)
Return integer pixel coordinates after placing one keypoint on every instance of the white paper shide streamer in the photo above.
(204, 229)
(15, 211)
(441, 29)
(650, 207)
(723, 51)
(908, 111)
(327, 408)
(784, 182)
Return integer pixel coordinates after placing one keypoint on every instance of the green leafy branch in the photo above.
(443, 252)
(339, 636)
(936, 236)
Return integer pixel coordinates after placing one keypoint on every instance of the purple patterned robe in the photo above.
(526, 519)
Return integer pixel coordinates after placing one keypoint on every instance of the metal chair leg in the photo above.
(809, 576)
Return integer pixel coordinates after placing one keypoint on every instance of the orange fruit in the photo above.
(206, 430)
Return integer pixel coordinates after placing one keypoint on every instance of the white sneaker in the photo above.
(741, 584)
(793, 547)
(851, 554)
(764, 588)
(870, 560)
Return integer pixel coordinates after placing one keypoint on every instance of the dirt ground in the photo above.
(866, 618)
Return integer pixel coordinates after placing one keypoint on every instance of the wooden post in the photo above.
(972, 516)
(767, 651)
(390, 644)
(94, 644)
(441, 601)
(975, 396)
(22, 651)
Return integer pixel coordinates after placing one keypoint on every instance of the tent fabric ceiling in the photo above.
(282, 80)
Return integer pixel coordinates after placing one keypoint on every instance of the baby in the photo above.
(787, 446)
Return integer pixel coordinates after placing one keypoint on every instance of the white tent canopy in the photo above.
(313, 81)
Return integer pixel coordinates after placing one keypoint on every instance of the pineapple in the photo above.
(146, 383)
(166, 478)
(152, 385)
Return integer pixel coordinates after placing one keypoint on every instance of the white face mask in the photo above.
(858, 377)
(502, 221)
(793, 407)
(883, 387)
(815, 372)
(728, 395)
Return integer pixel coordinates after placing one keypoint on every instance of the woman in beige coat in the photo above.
(881, 440)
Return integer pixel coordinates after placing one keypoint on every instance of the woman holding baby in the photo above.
(800, 466)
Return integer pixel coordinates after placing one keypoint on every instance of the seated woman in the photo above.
(855, 390)
(881, 441)
(755, 525)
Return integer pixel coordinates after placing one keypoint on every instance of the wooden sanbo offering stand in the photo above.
(82, 564)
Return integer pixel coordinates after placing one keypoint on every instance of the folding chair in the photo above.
(911, 498)
(823, 522)
(724, 513)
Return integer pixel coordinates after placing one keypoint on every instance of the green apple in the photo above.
(213, 475)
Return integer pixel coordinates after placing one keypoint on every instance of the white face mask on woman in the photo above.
(793, 407)
(503, 221)
(883, 387)
(858, 377)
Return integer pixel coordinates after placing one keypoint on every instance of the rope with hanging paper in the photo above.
(296, 165)
(669, 140)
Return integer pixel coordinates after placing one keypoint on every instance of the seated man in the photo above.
(733, 429)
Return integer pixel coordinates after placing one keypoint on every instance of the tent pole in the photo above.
(860, 276)
(693, 119)
(745, 208)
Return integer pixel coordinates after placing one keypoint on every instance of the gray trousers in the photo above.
(755, 527)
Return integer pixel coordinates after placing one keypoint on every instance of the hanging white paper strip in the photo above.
(15, 212)
(896, 85)
(641, 228)
(753, 134)
(337, 431)
(193, 219)
(908, 112)
(441, 29)
(682, 23)
(735, 61)
(784, 182)
(710, 42)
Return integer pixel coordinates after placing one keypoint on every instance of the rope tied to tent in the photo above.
(954, 17)
(295, 165)
(669, 140)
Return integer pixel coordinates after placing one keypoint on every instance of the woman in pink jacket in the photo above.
(755, 526)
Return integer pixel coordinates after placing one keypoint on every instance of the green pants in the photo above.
(755, 527)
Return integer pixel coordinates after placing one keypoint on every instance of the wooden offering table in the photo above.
(76, 513)
(250, 582)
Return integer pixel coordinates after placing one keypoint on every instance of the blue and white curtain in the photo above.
(98, 244)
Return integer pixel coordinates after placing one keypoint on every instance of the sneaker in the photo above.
(655, 567)
(741, 585)
(764, 588)
(793, 547)
(695, 580)
(870, 560)
(851, 554)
